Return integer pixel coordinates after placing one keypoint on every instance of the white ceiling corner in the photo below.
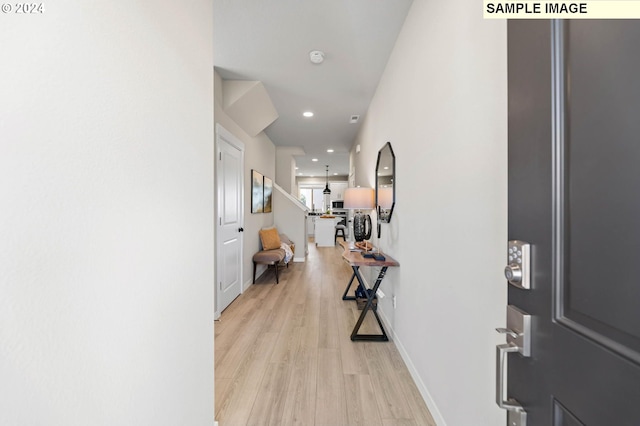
(249, 105)
(269, 41)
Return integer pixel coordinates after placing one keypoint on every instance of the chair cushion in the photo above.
(269, 256)
(270, 239)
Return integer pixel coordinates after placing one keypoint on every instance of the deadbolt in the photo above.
(513, 273)
(518, 270)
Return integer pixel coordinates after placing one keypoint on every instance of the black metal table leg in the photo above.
(346, 290)
(370, 295)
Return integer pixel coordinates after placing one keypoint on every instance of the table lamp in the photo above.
(359, 199)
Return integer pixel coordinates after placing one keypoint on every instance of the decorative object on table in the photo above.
(364, 245)
(326, 190)
(379, 257)
(268, 191)
(360, 199)
(385, 184)
(368, 252)
(257, 192)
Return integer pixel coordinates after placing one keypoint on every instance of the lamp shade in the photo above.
(359, 198)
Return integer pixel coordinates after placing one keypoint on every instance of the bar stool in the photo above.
(341, 229)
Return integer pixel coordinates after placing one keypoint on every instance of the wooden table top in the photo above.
(355, 257)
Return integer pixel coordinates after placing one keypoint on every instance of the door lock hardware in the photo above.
(516, 416)
(518, 334)
(518, 269)
(518, 330)
(513, 273)
(507, 332)
(501, 383)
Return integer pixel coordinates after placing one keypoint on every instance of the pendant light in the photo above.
(326, 188)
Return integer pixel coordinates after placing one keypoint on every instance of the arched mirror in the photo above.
(385, 183)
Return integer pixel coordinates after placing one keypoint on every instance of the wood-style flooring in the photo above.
(283, 355)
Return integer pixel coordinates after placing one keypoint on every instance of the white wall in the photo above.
(290, 218)
(442, 103)
(106, 247)
(286, 168)
(260, 155)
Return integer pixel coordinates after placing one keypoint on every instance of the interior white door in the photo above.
(230, 212)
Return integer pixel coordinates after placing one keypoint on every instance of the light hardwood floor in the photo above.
(283, 355)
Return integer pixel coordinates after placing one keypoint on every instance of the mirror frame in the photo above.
(384, 215)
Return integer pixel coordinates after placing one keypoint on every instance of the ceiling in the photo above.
(270, 41)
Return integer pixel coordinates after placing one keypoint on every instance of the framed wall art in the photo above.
(257, 192)
(268, 192)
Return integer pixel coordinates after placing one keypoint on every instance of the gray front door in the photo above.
(574, 195)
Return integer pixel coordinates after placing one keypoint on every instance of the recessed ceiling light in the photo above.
(329, 150)
(314, 159)
(335, 174)
(386, 168)
(297, 168)
(307, 114)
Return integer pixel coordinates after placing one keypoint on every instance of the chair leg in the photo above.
(277, 280)
(254, 272)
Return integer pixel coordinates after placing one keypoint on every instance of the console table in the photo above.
(355, 259)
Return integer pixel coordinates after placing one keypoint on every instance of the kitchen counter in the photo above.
(325, 231)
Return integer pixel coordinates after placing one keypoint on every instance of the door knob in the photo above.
(240, 229)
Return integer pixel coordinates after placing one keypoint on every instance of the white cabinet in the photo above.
(311, 223)
(325, 231)
(337, 190)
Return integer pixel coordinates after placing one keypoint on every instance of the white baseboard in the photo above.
(431, 405)
(299, 259)
(249, 283)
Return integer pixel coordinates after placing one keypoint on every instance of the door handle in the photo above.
(516, 415)
(240, 229)
(501, 378)
(508, 332)
(518, 333)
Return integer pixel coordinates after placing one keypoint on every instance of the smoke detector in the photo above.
(316, 56)
(354, 119)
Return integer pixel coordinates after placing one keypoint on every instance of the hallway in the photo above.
(283, 356)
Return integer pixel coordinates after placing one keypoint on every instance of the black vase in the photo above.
(361, 227)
